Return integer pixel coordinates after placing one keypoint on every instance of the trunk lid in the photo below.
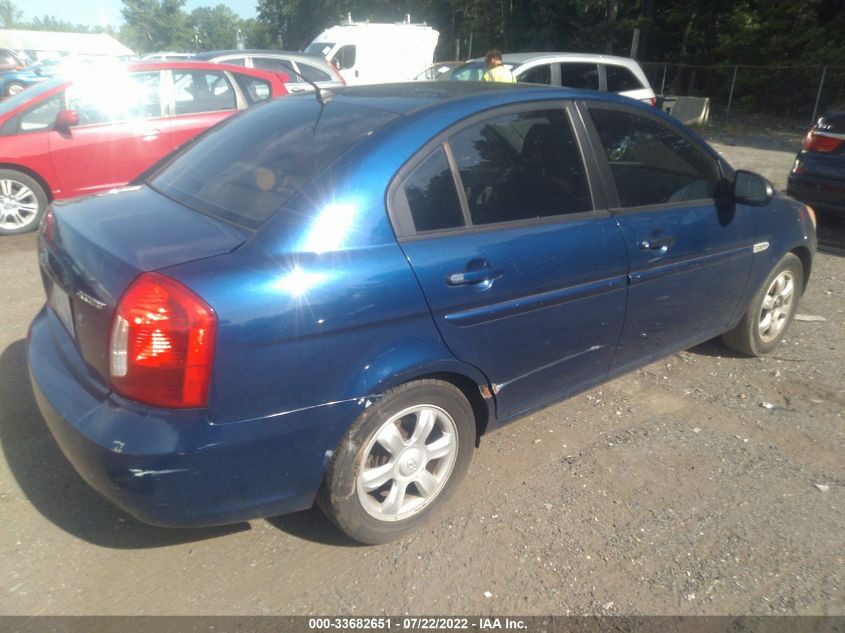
(92, 248)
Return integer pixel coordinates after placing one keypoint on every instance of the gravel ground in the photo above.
(705, 483)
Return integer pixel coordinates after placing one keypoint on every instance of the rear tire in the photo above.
(400, 460)
(22, 202)
(771, 311)
(13, 88)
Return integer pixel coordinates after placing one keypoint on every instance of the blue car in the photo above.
(818, 176)
(333, 297)
(11, 83)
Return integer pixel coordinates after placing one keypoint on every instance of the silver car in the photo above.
(607, 73)
(300, 68)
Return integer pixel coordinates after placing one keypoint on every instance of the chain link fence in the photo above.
(793, 93)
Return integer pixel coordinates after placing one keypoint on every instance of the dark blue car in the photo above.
(333, 300)
(818, 176)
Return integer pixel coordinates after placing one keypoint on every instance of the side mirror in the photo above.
(66, 119)
(752, 189)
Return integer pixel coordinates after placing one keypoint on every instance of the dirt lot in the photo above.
(705, 483)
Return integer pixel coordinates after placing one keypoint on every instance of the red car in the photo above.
(63, 138)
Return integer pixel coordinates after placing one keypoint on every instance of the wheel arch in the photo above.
(467, 379)
(48, 191)
(803, 253)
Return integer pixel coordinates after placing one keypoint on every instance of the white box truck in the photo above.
(367, 53)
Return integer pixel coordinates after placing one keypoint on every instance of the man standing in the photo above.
(496, 71)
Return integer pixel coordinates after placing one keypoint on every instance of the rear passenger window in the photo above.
(538, 75)
(253, 88)
(579, 75)
(521, 166)
(202, 91)
(652, 164)
(274, 63)
(431, 195)
(312, 73)
(620, 79)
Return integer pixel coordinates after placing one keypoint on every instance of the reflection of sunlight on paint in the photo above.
(297, 282)
(330, 228)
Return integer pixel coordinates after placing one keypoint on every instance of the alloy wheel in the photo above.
(18, 204)
(407, 462)
(777, 306)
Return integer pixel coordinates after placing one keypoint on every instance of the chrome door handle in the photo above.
(474, 277)
(661, 244)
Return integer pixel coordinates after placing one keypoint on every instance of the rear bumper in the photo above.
(821, 193)
(176, 468)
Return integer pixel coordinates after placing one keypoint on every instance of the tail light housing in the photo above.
(815, 142)
(162, 342)
(653, 101)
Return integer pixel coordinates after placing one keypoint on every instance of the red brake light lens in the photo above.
(162, 344)
(816, 143)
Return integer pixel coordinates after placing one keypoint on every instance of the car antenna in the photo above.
(324, 95)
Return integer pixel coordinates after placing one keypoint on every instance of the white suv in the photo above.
(574, 70)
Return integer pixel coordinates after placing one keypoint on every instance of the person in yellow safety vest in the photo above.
(496, 71)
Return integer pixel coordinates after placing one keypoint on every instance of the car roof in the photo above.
(190, 64)
(524, 58)
(258, 51)
(414, 96)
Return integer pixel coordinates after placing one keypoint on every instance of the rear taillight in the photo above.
(48, 225)
(653, 102)
(815, 142)
(162, 344)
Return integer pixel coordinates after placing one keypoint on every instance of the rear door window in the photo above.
(621, 79)
(312, 73)
(541, 74)
(273, 63)
(202, 91)
(582, 76)
(521, 166)
(254, 89)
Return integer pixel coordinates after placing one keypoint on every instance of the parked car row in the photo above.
(63, 138)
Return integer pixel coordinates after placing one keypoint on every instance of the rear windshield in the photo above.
(245, 170)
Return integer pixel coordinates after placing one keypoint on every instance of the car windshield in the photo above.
(319, 48)
(471, 71)
(28, 95)
(245, 170)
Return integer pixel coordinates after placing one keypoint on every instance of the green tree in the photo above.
(10, 15)
(155, 25)
(214, 28)
(259, 34)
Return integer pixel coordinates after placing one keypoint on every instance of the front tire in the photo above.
(771, 311)
(22, 202)
(399, 461)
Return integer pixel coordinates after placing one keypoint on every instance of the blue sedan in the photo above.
(333, 297)
(12, 83)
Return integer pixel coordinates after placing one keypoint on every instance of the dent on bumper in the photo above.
(176, 468)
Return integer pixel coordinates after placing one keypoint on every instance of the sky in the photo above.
(105, 12)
